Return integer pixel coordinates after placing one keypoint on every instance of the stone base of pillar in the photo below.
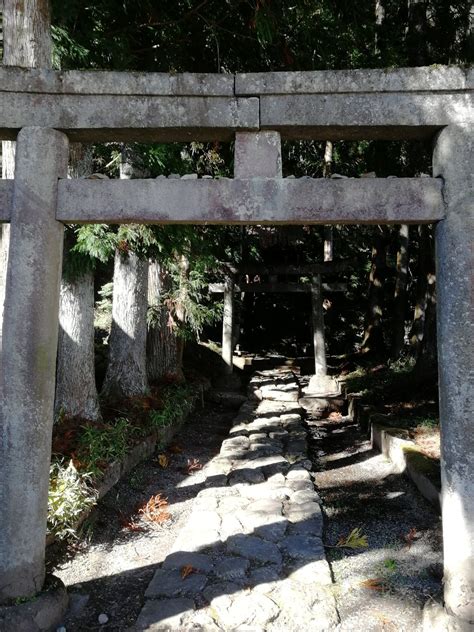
(228, 382)
(436, 619)
(44, 612)
(322, 385)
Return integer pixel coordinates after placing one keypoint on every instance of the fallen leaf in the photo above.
(133, 526)
(374, 584)
(187, 570)
(410, 537)
(174, 448)
(155, 509)
(193, 465)
(355, 540)
(78, 464)
(129, 524)
(163, 460)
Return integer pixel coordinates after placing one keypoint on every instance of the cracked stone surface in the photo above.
(253, 540)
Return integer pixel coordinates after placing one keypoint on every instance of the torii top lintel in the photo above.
(95, 106)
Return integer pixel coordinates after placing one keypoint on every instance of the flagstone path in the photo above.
(251, 557)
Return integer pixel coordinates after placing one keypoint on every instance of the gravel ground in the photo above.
(108, 572)
(383, 586)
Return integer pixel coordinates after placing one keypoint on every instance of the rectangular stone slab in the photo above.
(15, 79)
(6, 193)
(118, 117)
(421, 79)
(95, 106)
(253, 201)
(361, 116)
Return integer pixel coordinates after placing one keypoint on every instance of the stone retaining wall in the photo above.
(118, 469)
(396, 446)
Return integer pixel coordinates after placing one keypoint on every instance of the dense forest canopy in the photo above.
(259, 35)
(135, 298)
(388, 308)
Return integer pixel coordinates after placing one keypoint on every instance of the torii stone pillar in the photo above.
(256, 155)
(28, 359)
(453, 160)
(228, 324)
(320, 365)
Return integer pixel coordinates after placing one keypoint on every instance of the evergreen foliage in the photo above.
(260, 35)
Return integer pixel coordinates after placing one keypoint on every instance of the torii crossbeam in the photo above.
(315, 288)
(44, 110)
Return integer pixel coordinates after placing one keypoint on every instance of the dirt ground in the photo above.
(382, 586)
(379, 587)
(108, 570)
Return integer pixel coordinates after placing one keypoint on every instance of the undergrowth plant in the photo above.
(176, 403)
(371, 384)
(101, 445)
(70, 495)
(72, 491)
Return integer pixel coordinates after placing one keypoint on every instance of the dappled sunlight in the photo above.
(251, 551)
(332, 210)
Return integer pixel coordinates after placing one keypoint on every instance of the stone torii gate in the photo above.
(315, 288)
(257, 110)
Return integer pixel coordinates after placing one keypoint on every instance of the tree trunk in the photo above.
(319, 344)
(26, 43)
(426, 362)
(373, 342)
(328, 230)
(126, 374)
(423, 331)
(421, 292)
(328, 153)
(400, 296)
(161, 340)
(228, 325)
(416, 33)
(379, 18)
(76, 392)
(328, 243)
(27, 34)
(181, 311)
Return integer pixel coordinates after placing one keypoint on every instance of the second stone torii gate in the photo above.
(315, 288)
(431, 103)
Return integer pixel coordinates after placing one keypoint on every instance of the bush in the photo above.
(70, 495)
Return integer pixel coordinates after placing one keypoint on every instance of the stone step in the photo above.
(319, 405)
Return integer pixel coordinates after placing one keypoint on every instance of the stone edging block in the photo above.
(118, 469)
(40, 614)
(406, 458)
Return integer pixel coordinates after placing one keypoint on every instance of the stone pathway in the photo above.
(250, 558)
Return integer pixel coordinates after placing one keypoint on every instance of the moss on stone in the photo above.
(401, 433)
(424, 464)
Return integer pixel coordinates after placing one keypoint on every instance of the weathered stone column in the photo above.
(256, 155)
(320, 366)
(453, 161)
(228, 324)
(28, 359)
